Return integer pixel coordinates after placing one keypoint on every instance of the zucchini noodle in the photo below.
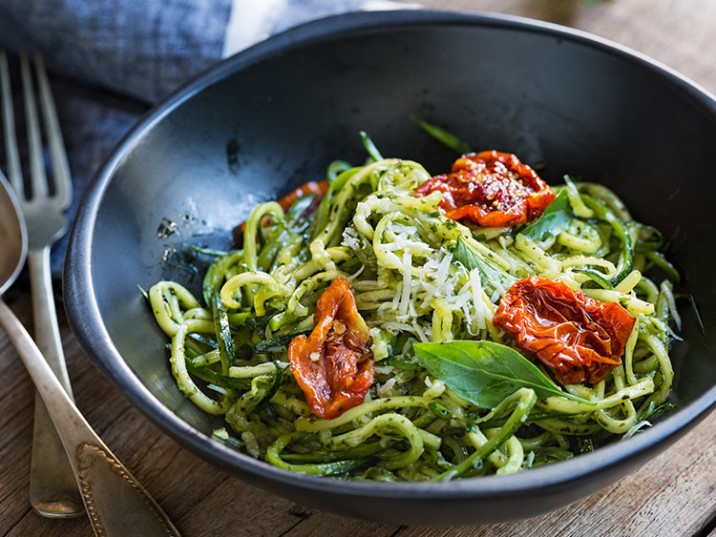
(228, 353)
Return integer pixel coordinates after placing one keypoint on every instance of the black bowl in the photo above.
(278, 113)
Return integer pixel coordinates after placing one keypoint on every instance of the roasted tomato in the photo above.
(334, 364)
(579, 338)
(317, 188)
(491, 189)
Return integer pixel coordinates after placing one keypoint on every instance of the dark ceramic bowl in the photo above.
(278, 113)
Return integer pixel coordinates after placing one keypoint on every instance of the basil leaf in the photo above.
(471, 259)
(484, 373)
(465, 255)
(556, 218)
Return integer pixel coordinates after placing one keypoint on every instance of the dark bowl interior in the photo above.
(278, 113)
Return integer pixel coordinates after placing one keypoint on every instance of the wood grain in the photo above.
(674, 495)
(681, 35)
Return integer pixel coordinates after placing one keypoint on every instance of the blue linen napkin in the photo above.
(110, 60)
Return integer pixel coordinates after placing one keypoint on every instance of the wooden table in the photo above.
(672, 496)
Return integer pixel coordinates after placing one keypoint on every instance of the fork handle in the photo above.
(117, 504)
(47, 332)
(53, 490)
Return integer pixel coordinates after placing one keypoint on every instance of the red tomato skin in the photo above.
(579, 338)
(490, 189)
(334, 364)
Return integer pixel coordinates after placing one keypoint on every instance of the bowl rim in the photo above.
(85, 320)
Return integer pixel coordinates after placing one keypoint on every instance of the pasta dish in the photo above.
(390, 325)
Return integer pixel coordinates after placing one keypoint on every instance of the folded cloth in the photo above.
(110, 60)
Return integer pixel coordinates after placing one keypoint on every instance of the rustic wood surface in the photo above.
(674, 495)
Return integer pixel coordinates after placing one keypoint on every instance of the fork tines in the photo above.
(39, 188)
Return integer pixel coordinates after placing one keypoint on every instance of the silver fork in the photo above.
(53, 490)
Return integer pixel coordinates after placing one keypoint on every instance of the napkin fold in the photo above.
(110, 60)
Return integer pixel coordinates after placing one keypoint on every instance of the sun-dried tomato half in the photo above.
(579, 338)
(491, 189)
(334, 364)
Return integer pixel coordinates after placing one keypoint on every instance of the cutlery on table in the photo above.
(53, 492)
(117, 505)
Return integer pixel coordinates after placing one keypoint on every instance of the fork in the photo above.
(53, 490)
